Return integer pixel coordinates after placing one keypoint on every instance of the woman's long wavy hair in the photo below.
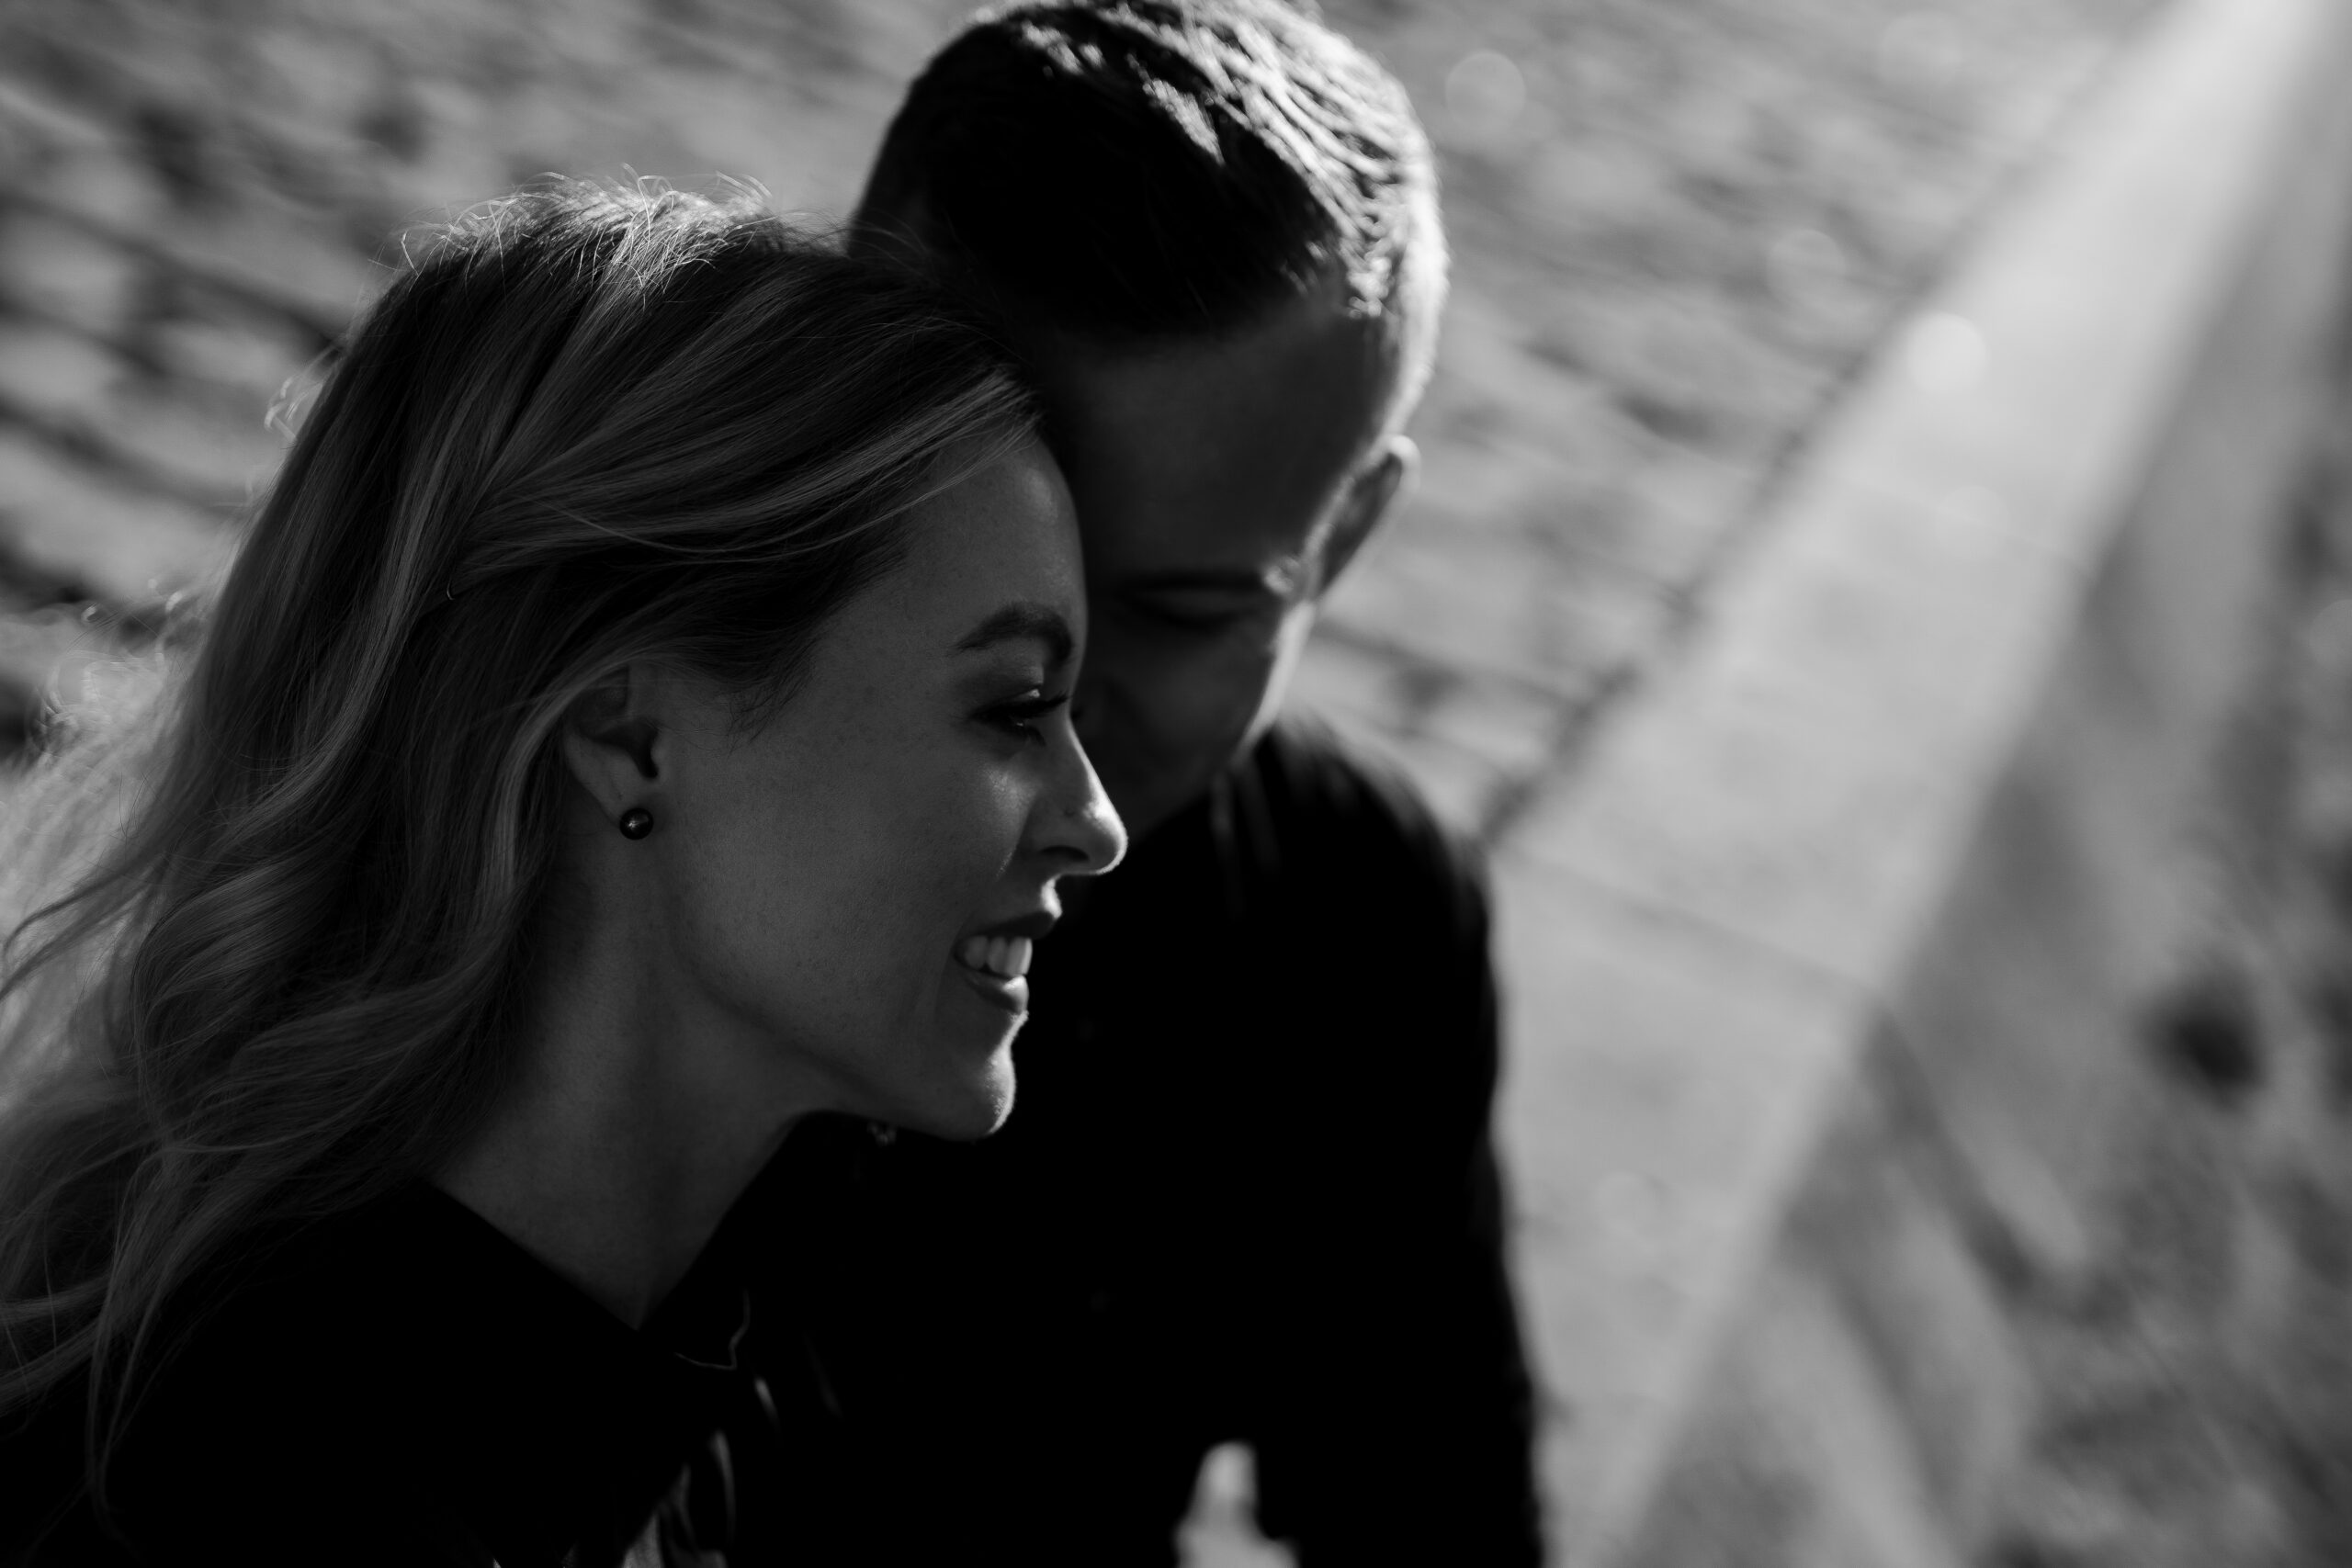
(590, 427)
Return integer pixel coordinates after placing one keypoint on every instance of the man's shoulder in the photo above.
(1336, 825)
(1321, 790)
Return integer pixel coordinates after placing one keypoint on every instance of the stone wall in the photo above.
(1929, 1082)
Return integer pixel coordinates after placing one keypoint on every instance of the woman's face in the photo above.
(853, 886)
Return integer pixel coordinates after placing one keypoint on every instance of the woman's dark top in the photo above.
(404, 1385)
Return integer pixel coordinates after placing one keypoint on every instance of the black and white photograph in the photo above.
(1176, 784)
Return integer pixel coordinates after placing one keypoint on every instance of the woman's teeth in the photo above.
(1004, 955)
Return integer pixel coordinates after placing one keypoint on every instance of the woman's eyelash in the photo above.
(1021, 714)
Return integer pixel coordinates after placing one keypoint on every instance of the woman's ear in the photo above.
(1372, 495)
(613, 740)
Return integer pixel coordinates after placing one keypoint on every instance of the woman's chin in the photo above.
(989, 1106)
(964, 1112)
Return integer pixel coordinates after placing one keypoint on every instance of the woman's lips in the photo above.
(1004, 955)
(997, 967)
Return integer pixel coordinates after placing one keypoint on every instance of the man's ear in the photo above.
(613, 740)
(1376, 490)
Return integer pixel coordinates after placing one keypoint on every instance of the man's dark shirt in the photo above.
(402, 1386)
(1246, 1194)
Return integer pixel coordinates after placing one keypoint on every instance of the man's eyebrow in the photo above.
(1041, 622)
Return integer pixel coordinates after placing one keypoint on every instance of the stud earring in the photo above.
(636, 822)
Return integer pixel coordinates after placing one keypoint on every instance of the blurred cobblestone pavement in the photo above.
(1680, 225)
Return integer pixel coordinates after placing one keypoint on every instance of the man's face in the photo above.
(1220, 484)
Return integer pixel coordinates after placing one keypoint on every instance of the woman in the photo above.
(634, 723)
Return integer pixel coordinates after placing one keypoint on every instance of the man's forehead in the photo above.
(1224, 452)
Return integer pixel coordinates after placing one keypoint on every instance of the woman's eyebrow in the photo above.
(1041, 622)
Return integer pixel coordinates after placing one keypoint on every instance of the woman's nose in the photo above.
(1081, 826)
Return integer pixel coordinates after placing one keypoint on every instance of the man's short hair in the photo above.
(1137, 171)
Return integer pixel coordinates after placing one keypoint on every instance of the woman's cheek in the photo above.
(966, 832)
(995, 801)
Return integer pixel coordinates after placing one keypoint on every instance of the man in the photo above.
(1247, 1192)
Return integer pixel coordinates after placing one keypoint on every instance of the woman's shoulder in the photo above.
(253, 1442)
(281, 1414)
(410, 1375)
(284, 1414)
(45, 1515)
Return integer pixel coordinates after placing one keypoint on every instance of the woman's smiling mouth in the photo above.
(998, 967)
